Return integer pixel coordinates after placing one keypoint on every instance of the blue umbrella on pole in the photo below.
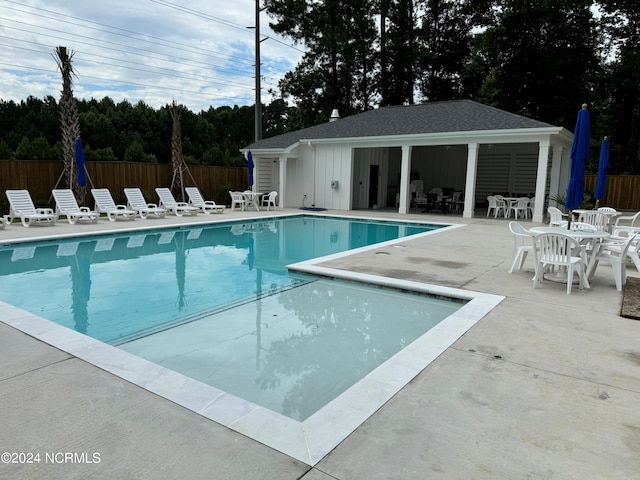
(250, 167)
(603, 169)
(579, 157)
(82, 176)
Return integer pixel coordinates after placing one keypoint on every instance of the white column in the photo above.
(470, 183)
(541, 180)
(283, 182)
(556, 168)
(405, 174)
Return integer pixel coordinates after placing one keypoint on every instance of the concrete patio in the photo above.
(547, 385)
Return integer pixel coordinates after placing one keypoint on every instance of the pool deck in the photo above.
(547, 385)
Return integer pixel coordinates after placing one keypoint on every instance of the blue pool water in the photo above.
(217, 303)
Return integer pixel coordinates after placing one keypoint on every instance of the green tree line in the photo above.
(538, 58)
(30, 130)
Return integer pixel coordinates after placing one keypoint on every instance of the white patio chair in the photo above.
(628, 221)
(269, 199)
(105, 204)
(67, 206)
(206, 206)
(556, 217)
(559, 250)
(519, 206)
(21, 206)
(523, 244)
(615, 253)
(607, 210)
(497, 205)
(595, 218)
(168, 202)
(237, 199)
(137, 202)
(632, 252)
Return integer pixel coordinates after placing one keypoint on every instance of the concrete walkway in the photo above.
(547, 385)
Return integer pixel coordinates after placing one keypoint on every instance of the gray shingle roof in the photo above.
(436, 117)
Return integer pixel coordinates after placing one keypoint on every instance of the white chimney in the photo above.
(334, 115)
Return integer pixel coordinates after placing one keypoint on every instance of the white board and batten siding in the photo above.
(310, 174)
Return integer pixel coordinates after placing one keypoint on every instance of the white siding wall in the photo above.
(332, 162)
(300, 179)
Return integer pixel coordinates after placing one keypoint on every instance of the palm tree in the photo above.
(69, 122)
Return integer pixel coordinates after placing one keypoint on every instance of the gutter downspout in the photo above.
(314, 179)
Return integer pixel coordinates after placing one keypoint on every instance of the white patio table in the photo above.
(252, 199)
(594, 237)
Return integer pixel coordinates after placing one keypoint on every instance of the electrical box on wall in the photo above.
(334, 184)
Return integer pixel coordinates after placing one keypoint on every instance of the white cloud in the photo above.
(199, 54)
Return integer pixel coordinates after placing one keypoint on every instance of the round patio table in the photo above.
(594, 237)
(252, 199)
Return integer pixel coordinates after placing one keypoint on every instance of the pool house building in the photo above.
(369, 160)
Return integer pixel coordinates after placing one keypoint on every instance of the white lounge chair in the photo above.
(177, 208)
(21, 206)
(137, 202)
(105, 204)
(196, 200)
(67, 206)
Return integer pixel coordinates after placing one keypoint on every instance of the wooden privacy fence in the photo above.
(622, 192)
(41, 176)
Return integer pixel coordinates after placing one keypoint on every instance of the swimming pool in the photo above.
(117, 288)
(219, 405)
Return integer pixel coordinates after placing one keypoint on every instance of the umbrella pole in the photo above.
(569, 219)
(597, 204)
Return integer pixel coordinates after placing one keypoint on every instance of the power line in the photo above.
(138, 49)
(198, 92)
(153, 59)
(158, 41)
(219, 20)
(163, 71)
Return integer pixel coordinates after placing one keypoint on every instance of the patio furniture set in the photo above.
(506, 206)
(564, 249)
(252, 200)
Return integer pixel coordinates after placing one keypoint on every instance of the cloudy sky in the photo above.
(198, 53)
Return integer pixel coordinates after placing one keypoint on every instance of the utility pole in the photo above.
(258, 107)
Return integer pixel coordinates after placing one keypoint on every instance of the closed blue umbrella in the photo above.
(250, 167)
(603, 169)
(579, 157)
(82, 178)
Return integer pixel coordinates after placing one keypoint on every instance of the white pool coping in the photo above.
(312, 439)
